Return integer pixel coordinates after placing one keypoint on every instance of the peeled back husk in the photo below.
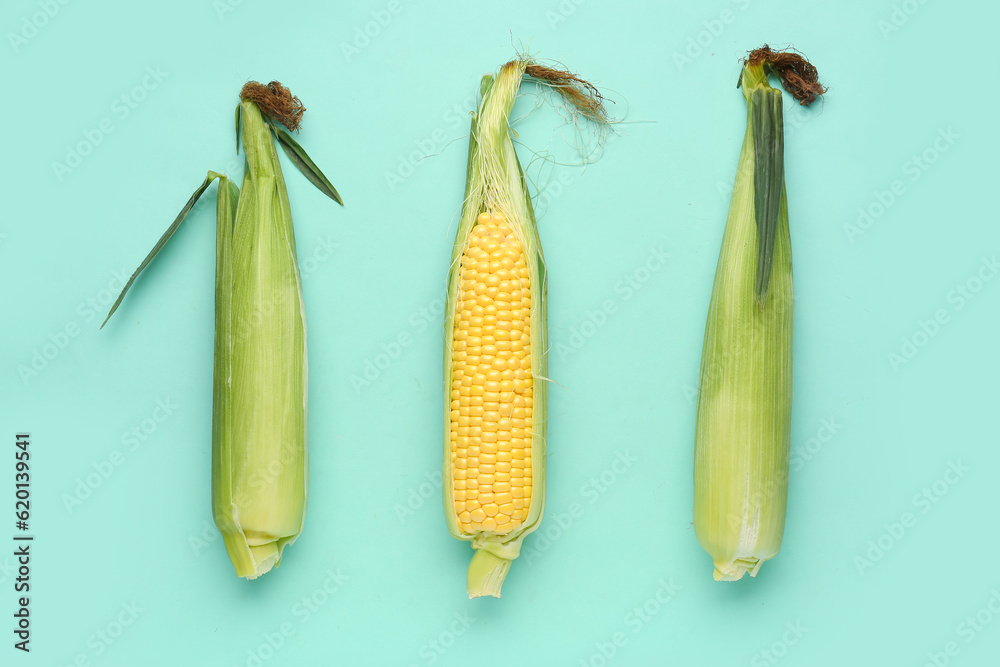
(495, 183)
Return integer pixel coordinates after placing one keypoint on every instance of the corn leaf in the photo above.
(163, 241)
(304, 163)
(768, 142)
(238, 107)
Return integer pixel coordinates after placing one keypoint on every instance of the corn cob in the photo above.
(745, 387)
(259, 425)
(496, 340)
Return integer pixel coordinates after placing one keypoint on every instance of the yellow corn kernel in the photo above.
(487, 284)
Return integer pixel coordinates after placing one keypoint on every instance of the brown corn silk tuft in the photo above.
(276, 102)
(582, 94)
(798, 76)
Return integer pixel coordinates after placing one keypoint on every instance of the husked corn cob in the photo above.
(745, 389)
(496, 340)
(492, 382)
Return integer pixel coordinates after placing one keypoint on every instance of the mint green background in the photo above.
(661, 183)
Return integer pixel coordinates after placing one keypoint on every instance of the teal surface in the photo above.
(115, 110)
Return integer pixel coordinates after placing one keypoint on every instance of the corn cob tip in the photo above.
(251, 561)
(798, 76)
(734, 570)
(265, 558)
(487, 572)
(276, 102)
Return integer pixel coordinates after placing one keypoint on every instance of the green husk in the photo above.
(768, 179)
(745, 388)
(260, 391)
(496, 184)
(260, 472)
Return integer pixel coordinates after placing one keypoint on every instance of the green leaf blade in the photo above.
(304, 163)
(162, 242)
(769, 172)
(238, 107)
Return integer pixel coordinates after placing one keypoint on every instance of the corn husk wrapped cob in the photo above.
(745, 388)
(259, 420)
(495, 365)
